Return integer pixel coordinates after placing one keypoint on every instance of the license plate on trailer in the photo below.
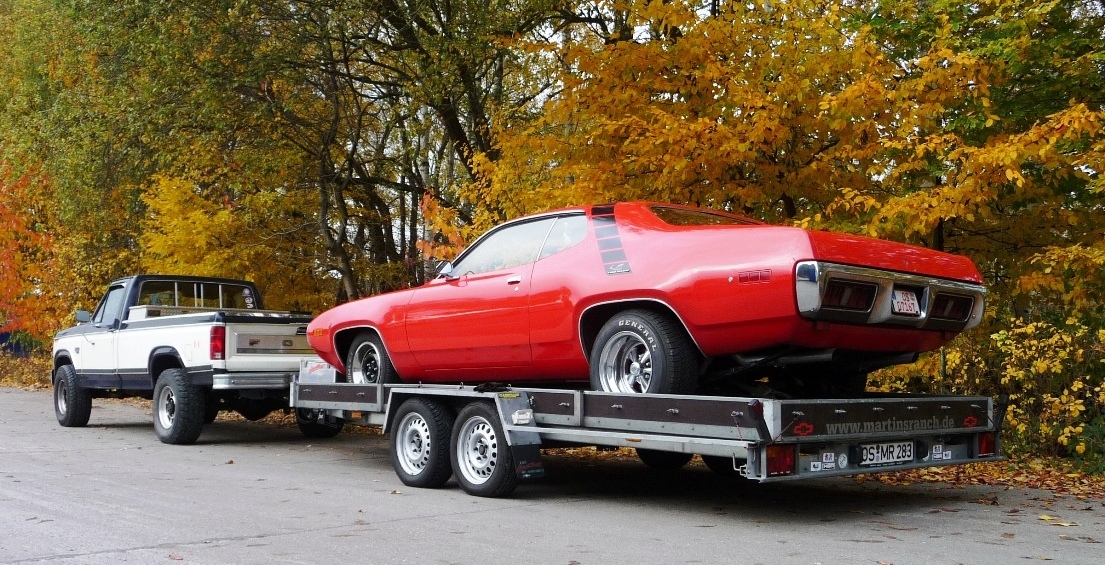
(886, 453)
(904, 302)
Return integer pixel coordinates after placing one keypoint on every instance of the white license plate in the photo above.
(904, 302)
(884, 453)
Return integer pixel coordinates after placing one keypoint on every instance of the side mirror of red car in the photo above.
(445, 270)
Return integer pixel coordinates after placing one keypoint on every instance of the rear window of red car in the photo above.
(688, 217)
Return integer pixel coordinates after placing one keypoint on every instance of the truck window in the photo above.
(107, 313)
(157, 293)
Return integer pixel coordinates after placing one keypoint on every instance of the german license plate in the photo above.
(885, 453)
(904, 303)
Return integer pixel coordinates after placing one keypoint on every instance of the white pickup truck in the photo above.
(194, 345)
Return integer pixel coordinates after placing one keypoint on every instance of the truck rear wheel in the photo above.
(639, 351)
(316, 424)
(178, 408)
(368, 362)
(420, 443)
(72, 404)
(482, 461)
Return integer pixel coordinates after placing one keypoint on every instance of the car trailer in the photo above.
(490, 436)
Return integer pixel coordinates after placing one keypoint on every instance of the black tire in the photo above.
(638, 351)
(316, 425)
(482, 461)
(420, 443)
(664, 460)
(72, 403)
(178, 408)
(720, 465)
(368, 361)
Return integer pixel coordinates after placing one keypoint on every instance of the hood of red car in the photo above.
(891, 255)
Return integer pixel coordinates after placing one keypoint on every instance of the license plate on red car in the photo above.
(905, 303)
(886, 453)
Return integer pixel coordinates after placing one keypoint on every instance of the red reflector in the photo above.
(218, 343)
(781, 460)
(949, 307)
(848, 295)
(987, 445)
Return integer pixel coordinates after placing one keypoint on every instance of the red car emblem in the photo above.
(970, 422)
(803, 429)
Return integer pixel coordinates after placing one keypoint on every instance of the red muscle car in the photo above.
(659, 298)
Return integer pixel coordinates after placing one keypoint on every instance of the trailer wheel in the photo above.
(316, 424)
(482, 461)
(178, 408)
(638, 351)
(664, 460)
(72, 403)
(368, 361)
(419, 443)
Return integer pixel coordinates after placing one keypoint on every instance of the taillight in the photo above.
(218, 343)
(951, 307)
(849, 295)
(781, 459)
(987, 444)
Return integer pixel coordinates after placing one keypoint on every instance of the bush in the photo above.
(1054, 375)
(32, 371)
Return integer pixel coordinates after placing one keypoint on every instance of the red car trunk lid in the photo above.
(890, 255)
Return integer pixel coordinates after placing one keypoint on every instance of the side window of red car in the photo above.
(505, 248)
(567, 232)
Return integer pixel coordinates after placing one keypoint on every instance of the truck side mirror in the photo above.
(83, 316)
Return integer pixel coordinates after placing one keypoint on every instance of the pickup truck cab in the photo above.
(194, 345)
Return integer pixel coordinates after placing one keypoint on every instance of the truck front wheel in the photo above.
(178, 408)
(420, 443)
(72, 404)
(482, 461)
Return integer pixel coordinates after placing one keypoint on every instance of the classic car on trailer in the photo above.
(659, 298)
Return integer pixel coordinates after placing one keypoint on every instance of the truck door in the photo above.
(98, 351)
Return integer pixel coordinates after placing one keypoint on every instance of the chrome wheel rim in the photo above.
(413, 444)
(365, 368)
(478, 452)
(625, 364)
(60, 397)
(166, 408)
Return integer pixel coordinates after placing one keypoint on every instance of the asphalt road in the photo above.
(255, 493)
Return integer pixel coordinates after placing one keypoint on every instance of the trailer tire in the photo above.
(178, 408)
(72, 403)
(368, 361)
(482, 461)
(420, 443)
(638, 351)
(311, 425)
(664, 460)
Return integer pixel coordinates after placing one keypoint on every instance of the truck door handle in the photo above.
(514, 280)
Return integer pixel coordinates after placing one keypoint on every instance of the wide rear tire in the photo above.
(664, 460)
(178, 408)
(72, 404)
(638, 351)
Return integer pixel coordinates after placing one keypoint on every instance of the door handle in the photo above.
(514, 280)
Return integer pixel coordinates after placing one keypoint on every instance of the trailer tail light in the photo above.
(781, 460)
(218, 343)
(849, 295)
(951, 307)
(987, 444)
